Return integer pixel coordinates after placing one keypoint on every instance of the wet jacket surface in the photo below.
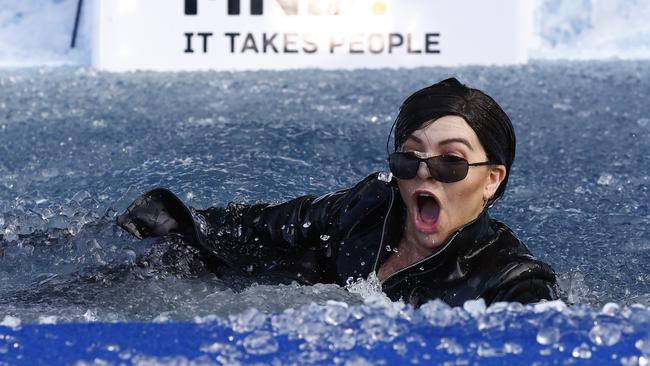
(348, 234)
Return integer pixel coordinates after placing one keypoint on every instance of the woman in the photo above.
(424, 228)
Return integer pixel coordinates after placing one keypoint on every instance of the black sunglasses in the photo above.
(443, 168)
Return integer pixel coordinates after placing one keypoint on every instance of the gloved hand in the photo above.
(157, 213)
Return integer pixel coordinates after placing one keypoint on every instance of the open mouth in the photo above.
(428, 210)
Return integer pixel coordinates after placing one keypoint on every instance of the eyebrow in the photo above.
(456, 140)
(445, 141)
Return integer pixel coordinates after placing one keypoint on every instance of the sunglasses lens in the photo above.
(444, 168)
(448, 168)
(403, 166)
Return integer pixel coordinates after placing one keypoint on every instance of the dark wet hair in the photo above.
(482, 113)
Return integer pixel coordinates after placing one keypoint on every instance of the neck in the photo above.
(414, 246)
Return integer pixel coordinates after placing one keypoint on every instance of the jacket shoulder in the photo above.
(525, 283)
(518, 275)
(369, 193)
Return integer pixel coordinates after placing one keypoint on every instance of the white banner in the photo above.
(331, 34)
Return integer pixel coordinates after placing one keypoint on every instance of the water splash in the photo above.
(369, 288)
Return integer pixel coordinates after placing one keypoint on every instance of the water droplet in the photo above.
(306, 224)
(10, 234)
(90, 315)
(605, 179)
(336, 312)
(582, 351)
(512, 348)
(216, 348)
(343, 340)
(260, 343)
(385, 176)
(451, 346)
(562, 107)
(401, 348)
(80, 196)
(324, 237)
(643, 345)
(605, 334)
(357, 361)
(548, 336)
(247, 321)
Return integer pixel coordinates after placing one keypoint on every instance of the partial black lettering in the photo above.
(232, 37)
(308, 41)
(394, 40)
(188, 37)
(190, 7)
(431, 39)
(289, 40)
(335, 42)
(249, 44)
(233, 7)
(356, 41)
(268, 42)
(205, 40)
(409, 44)
(257, 7)
(376, 43)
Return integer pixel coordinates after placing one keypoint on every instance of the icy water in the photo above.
(77, 146)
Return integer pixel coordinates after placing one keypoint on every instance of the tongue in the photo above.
(429, 210)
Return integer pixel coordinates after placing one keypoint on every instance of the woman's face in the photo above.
(431, 220)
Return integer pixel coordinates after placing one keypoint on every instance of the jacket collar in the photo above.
(462, 243)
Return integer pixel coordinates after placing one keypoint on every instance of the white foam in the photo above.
(48, 319)
(11, 322)
(556, 305)
(370, 291)
(475, 307)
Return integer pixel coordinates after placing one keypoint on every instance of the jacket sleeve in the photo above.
(262, 236)
(248, 237)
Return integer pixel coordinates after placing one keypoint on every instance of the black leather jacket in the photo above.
(348, 234)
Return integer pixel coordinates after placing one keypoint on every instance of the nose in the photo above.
(423, 171)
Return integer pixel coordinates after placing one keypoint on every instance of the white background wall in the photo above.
(38, 32)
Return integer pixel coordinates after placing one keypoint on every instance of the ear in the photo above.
(495, 176)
